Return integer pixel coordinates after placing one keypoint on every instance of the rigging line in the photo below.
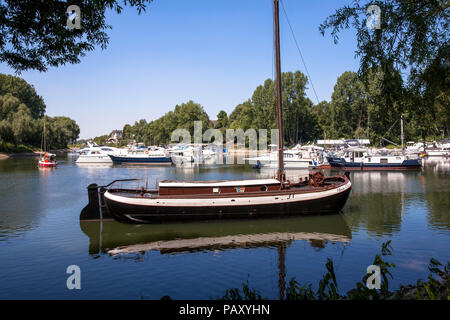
(299, 51)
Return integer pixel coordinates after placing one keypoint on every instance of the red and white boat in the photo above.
(48, 160)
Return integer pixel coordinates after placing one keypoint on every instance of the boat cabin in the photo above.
(355, 155)
(169, 187)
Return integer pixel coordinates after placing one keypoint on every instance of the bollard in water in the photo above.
(92, 210)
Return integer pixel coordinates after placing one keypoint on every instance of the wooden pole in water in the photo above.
(280, 173)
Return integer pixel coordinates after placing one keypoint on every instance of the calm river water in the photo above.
(41, 235)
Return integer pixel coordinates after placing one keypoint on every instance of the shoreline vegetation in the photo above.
(26, 154)
(360, 108)
(436, 287)
(22, 120)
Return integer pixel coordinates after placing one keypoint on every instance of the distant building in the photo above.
(213, 123)
(114, 136)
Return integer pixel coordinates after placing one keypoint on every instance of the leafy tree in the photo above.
(19, 90)
(22, 120)
(299, 121)
(160, 130)
(412, 40)
(411, 35)
(242, 116)
(222, 120)
(34, 34)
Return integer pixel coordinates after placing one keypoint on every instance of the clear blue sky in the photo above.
(215, 52)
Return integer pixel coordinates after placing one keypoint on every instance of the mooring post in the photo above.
(92, 210)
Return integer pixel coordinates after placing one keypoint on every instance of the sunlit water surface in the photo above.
(41, 235)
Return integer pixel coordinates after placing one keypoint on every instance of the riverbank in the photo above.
(4, 156)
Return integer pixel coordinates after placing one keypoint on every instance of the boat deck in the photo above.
(199, 190)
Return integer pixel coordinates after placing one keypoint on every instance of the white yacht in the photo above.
(182, 155)
(296, 158)
(96, 154)
(142, 155)
(438, 150)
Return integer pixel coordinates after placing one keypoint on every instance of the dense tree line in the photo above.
(159, 131)
(22, 118)
(359, 108)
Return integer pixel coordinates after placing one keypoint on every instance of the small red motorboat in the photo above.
(48, 160)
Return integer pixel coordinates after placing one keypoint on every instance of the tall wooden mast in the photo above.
(280, 173)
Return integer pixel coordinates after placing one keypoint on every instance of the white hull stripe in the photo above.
(227, 201)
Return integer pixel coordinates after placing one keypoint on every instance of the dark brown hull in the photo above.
(157, 214)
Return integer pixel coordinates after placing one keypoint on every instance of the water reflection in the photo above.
(117, 238)
(23, 193)
(436, 192)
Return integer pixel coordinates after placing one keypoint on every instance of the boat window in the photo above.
(383, 160)
(216, 190)
(264, 188)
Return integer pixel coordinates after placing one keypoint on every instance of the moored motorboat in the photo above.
(152, 155)
(95, 154)
(361, 159)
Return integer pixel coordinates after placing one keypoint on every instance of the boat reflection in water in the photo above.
(116, 238)
(119, 239)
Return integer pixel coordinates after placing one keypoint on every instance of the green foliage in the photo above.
(433, 289)
(259, 112)
(15, 91)
(22, 120)
(35, 36)
(222, 121)
(247, 294)
(414, 41)
(410, 36)
(159, 131)
(9, 147)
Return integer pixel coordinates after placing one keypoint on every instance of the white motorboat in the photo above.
(182, 155)
(297, 158)
(438, 150)
(96, 154)
(143, 155)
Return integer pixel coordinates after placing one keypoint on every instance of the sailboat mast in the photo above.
(280, 173)
(45, 148)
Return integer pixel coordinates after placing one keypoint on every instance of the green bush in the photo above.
(8, 147)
